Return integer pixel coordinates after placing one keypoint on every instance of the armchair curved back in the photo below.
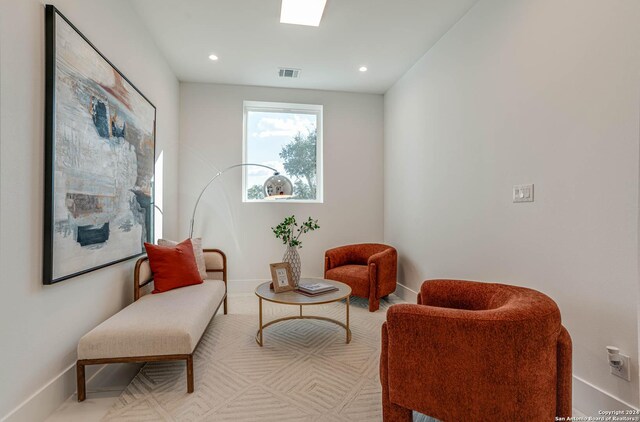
(500, 300)
(357, 254)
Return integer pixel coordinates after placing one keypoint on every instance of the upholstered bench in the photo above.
(157, 327)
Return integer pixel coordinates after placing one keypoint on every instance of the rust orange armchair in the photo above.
(475, 352)
(368, 268)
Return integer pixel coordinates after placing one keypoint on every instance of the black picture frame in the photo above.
(48, 277)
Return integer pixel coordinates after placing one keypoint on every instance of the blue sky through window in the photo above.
(267, 133)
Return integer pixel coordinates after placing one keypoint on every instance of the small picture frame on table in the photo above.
(281, 277)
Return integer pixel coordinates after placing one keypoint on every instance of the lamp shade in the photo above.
(278, 187)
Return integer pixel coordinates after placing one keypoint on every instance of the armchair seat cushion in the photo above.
(170, 323)
(356, 276)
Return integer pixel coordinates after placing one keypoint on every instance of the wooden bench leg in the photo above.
(225, 305)
(190, 374)
(82, 392)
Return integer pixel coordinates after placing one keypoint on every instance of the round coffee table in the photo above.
(294, 298)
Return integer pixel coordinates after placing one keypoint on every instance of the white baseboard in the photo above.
(243, 286)
(405, 293)
(47, 399)
(249, 286)
(589, 399)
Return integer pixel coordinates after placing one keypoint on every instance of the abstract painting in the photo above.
(99, 158)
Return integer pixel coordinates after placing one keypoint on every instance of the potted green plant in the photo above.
(289, 232)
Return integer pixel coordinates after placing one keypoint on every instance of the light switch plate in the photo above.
(523, 193)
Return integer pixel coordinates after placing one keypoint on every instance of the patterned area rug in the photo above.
(304, 372)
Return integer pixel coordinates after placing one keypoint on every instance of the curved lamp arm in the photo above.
(195, 207)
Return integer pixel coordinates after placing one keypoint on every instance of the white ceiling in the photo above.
(387, 36)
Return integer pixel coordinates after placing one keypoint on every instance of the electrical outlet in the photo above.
(523, 193)
(623, 371)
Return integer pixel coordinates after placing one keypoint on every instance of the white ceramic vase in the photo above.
(292, 256)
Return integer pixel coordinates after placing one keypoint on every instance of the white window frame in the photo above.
(271, 107)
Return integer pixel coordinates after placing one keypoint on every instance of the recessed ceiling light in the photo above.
(363, 69)
(302, 12)
(213, 57)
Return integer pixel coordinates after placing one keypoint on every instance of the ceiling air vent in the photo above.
(286, 72)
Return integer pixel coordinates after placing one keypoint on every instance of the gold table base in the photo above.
(259, 334)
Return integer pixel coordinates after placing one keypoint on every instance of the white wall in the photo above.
(40, 326)
(544, 92)
(211, 139)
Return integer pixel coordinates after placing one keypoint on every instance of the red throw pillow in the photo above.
(172, 266)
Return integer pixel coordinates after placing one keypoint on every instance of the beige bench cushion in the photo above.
(162, 324)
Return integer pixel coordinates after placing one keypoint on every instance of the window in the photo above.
(287, 137)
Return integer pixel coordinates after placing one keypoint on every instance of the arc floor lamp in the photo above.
(275, 187)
